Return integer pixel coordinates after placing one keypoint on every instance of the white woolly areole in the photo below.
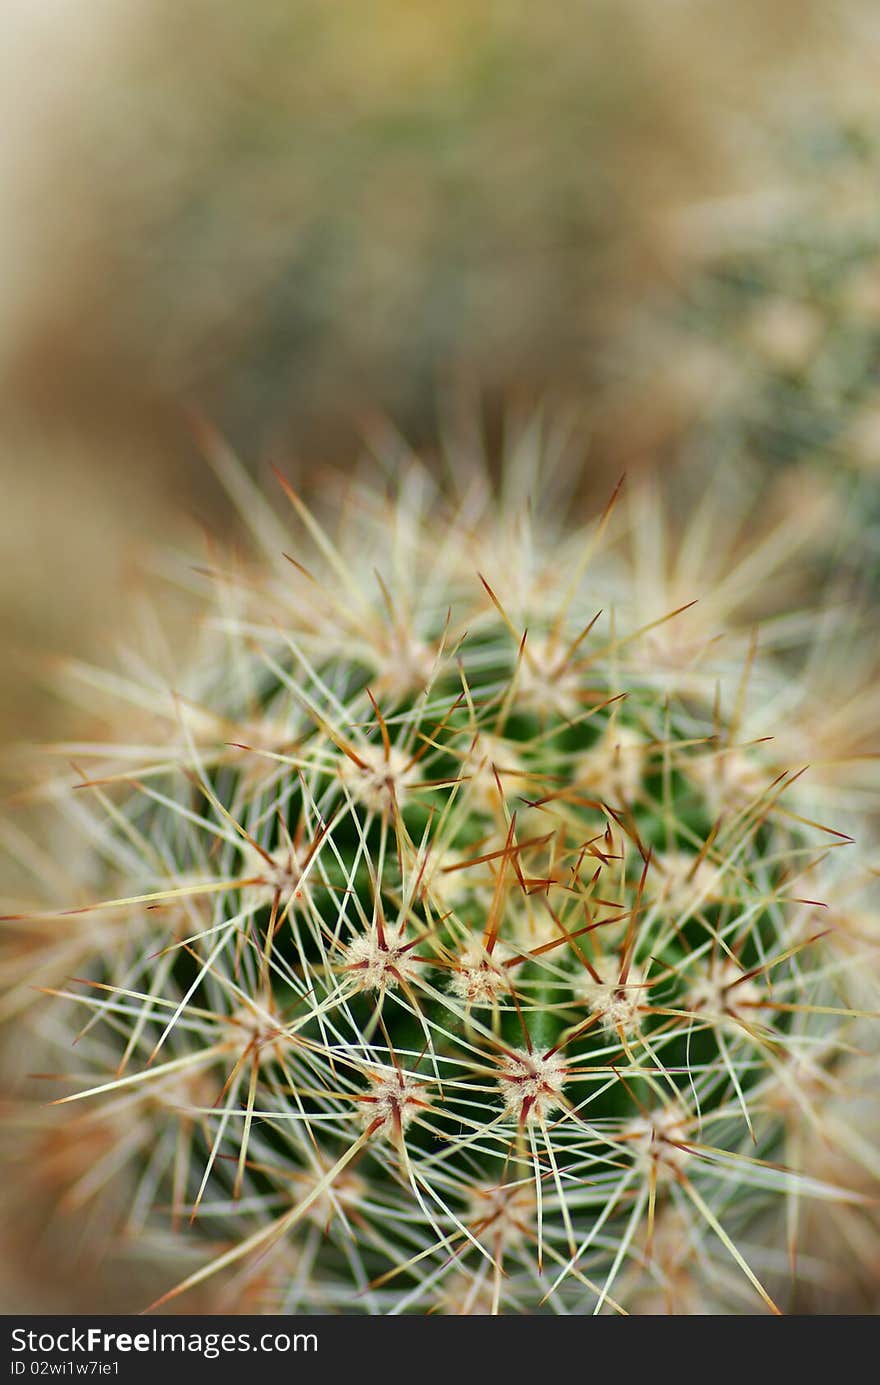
(445, 885)
(394, 1102)
(486, 757)
(531, 927)
(800, 1079)
(721, 993)
(546, 681)
(339, 1198)
(612, 770)
(381, 781)
(380, 963)
(481, 976)
(682, 881)
(531, 1084)
(501, 1214)
(730, 781)
(281, 875)
(256, 1030)
(405, 664)
(657, 1140)
(615, 1003)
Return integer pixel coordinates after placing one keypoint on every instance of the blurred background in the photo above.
(295, 217)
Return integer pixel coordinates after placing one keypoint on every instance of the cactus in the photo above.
(444, 942)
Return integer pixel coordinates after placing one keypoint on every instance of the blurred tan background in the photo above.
(294, 215)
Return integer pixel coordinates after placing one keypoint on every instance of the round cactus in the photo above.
(445, 941)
